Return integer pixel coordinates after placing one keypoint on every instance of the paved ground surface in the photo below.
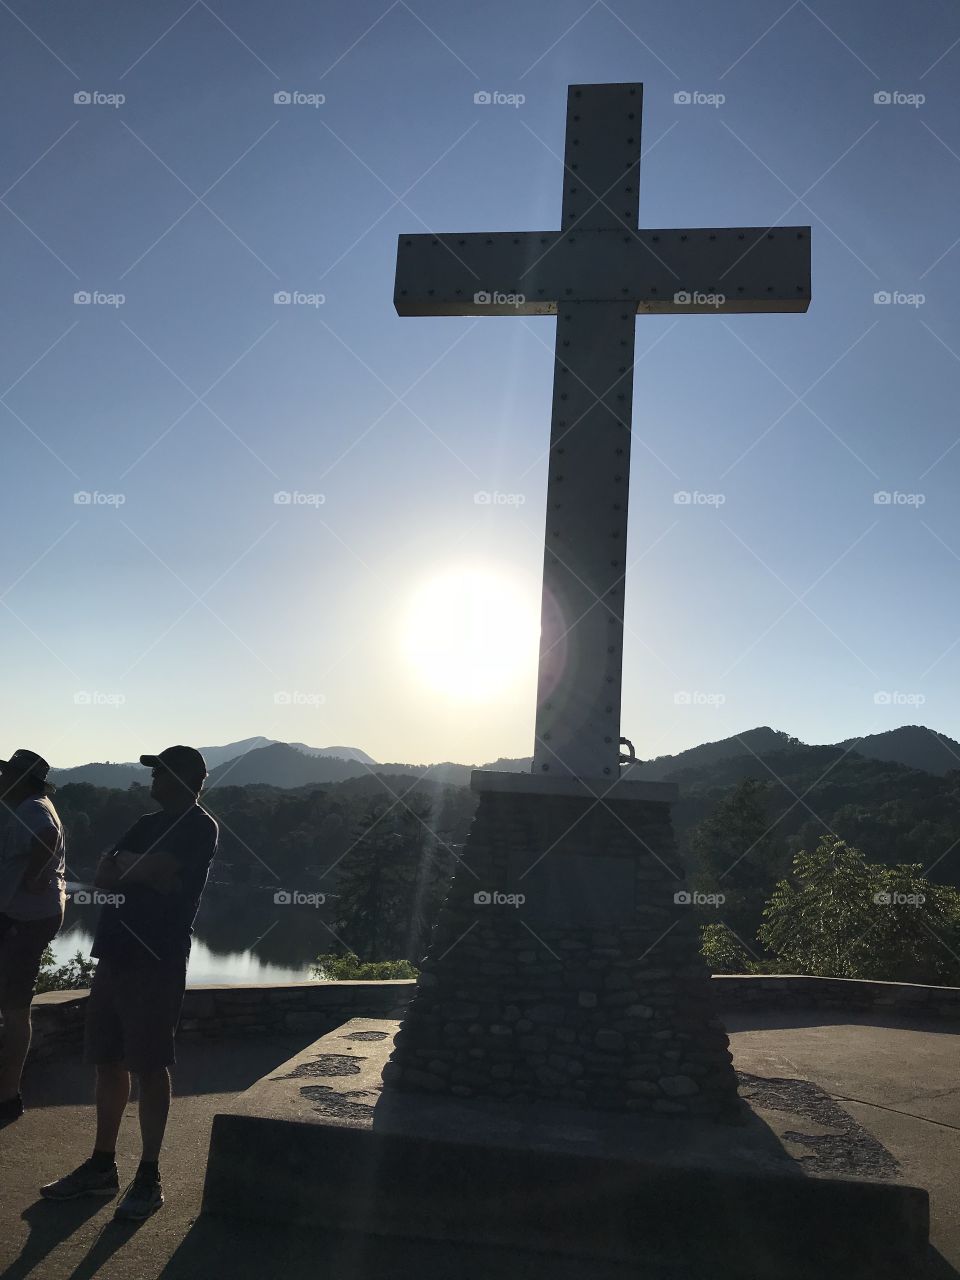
(900, 1084)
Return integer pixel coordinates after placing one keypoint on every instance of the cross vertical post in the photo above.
(581, 636)
(595, 275)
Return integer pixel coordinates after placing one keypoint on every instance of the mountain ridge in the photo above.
(124, 773)
(266, 761)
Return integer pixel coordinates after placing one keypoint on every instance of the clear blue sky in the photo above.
(182, 614)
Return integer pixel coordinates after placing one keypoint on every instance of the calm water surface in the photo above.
(241, 936)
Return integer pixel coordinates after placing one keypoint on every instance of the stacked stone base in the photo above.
(604, 1004)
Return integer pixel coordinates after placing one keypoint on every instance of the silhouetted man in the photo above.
(31, 906)
(154, 878)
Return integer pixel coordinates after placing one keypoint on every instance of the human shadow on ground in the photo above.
(50, 1224)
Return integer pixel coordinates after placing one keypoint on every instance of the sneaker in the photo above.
(143, 1198)
(85, 1181)
(11, 1109)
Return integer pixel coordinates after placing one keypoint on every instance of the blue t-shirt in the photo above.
(147, 926)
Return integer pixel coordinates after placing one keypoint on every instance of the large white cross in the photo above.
(595, 275)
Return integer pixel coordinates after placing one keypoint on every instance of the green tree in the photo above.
(349, 967)
(391, 880)
(734, 853)
(723, 950)
(841, 916)
(72, 976)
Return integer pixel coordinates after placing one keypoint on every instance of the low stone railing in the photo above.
(286, 1010)
(781, 992)
(58, 1018)
(318, 1007)
(312, 1007)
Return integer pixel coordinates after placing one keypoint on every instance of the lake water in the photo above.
(241, 937)
(237, 968)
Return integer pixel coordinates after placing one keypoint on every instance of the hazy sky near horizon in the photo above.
(182, 602)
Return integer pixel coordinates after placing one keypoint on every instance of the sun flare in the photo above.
(471, 633)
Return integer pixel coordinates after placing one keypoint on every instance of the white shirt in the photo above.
(32, 817)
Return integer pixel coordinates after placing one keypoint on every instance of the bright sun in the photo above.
(470, 633)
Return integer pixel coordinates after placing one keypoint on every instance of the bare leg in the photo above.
(113, 1094)
(154, 1108)
(16, 1032)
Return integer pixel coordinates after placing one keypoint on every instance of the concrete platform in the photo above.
(681, 1197)
(623, 788)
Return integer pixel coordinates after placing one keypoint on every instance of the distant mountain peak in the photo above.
(911, 744)
(291, 764)
(759, 741)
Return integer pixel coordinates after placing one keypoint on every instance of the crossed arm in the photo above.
(159, 871)
(36, 874)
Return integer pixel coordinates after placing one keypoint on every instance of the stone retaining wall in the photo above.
(781, 992)
(320, 1006)
(311, 1007)
(58, 1018)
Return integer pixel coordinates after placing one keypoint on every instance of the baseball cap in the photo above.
(185, 763)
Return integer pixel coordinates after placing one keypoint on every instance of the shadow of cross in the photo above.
(595, 275)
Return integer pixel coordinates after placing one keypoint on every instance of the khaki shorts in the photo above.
(132, 1014)
(22, 944)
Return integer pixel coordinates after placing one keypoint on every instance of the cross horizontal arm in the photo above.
(701, 269)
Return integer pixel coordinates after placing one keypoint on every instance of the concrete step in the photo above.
(319, 1144)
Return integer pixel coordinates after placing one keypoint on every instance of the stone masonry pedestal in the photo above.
(565, 965)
